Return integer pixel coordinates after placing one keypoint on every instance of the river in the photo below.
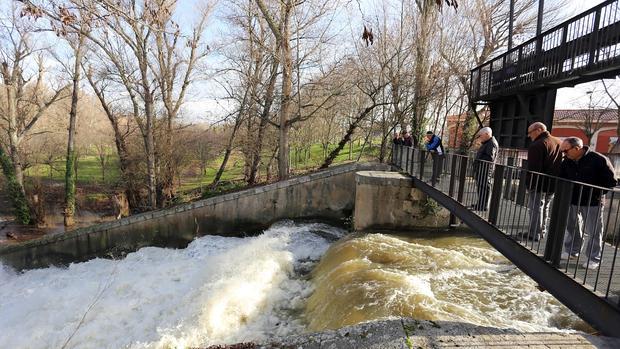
(291, 279)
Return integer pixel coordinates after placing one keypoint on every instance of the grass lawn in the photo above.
(89, 169)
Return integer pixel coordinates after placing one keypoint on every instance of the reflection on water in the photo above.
(432, 277)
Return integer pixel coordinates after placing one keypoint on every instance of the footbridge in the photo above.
(520, 85)
(591, 292)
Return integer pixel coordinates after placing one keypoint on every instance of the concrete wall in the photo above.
(388, 201)
(328, 194)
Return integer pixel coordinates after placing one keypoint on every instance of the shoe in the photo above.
(565, 255)
(590, 265)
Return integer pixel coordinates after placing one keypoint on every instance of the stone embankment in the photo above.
(409, 333)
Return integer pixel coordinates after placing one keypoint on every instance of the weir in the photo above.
(328, 195)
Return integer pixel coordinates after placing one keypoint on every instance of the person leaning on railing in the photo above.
(483, 171)
(435, 147)
(581, 164)
(543, 157)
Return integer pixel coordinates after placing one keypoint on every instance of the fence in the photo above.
(517, 201)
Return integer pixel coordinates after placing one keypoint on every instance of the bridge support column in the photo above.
(389, 201)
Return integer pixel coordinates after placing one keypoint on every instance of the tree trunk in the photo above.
(263, 120)
(71, 163)
(227, 153)
(287, 88)
(20, 204)
(346, 137)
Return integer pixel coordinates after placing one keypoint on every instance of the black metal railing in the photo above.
(575, 51)
(509, 197)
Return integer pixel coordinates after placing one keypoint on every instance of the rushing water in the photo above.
(226, 290)
(433, 276)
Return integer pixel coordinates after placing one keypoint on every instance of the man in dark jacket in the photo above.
(407, 139)
(435, 147)
(544, 159)
(398, 139)
(587, 166)
(484, 165)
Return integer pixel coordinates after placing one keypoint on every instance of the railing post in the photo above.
(462, 177)
(410, 170)
(558, 221)
(594, 37)
(407, 159)
(422, 160)
(452, 185)
(520, 200)
(400, 156)
(496, 193)
(510, 161)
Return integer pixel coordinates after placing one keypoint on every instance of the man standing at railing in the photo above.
(545, 158)
(484, 166)
(408, 141)
(587, 166)
(434, 146)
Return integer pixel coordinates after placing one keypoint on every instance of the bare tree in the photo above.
(477, 31)
(613, 96)
(27, 98)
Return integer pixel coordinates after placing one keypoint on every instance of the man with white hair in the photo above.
(484, 164)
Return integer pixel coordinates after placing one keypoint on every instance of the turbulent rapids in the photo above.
(226, 290)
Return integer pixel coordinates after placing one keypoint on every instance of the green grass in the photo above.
(89, 169)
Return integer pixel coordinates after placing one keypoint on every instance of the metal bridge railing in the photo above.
(503, 193)
(587, 43)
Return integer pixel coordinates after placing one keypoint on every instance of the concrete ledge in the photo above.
(409, 333)
(388, 201)
(384, 179)
(327, 194)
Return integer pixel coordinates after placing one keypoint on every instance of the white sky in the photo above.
(578, 97)
(204, 102)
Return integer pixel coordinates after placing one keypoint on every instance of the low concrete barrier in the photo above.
(328, 194)
(388, 201)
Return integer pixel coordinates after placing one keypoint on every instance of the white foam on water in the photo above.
(449, 278)
(217, 290)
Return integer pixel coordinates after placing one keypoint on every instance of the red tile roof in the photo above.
(585, 114)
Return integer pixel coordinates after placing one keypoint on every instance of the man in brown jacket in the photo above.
(544, 159)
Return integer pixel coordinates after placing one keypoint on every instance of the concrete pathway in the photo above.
(409, 333)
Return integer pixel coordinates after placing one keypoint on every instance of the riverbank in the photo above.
(407, 333)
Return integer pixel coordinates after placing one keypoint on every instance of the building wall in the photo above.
(603, 139)
(564, 131)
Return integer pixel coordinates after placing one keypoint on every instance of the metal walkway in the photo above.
(593, 294)
(584, 48)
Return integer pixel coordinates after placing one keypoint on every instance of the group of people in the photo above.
(570, 159)
(433, 145)
(549, 161)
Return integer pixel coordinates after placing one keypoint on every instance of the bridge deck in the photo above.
(593, 294)
(514, 219)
